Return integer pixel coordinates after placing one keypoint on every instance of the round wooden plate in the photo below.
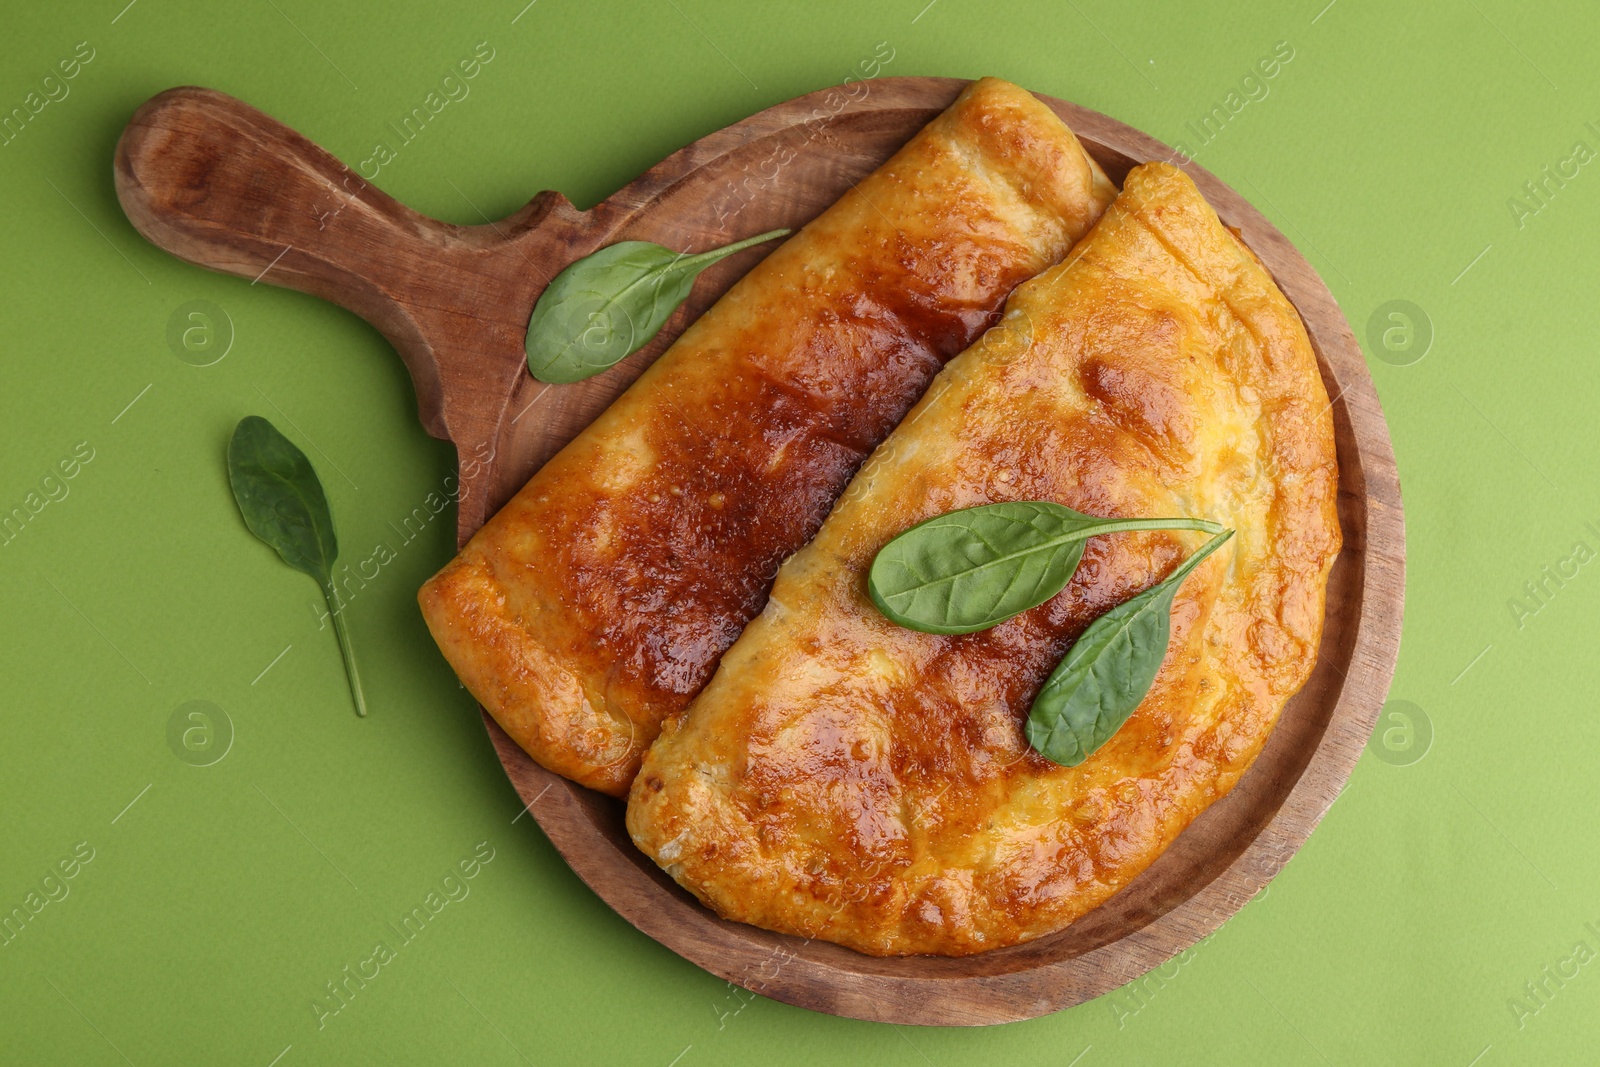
(222, 185)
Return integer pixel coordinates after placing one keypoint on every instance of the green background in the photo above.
(220, 899)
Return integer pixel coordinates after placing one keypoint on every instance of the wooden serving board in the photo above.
(219, 184)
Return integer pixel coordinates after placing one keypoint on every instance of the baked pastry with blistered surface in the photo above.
(598, 601)
(846, 779)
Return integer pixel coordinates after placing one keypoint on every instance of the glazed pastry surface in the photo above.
(599, 600)
(846, 779)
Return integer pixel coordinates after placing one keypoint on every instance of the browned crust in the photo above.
(845, 779)
(598, 601)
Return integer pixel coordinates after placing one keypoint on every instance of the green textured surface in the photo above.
(217, 905)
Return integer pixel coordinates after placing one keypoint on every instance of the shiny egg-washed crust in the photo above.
(845, 779)
(599, 600)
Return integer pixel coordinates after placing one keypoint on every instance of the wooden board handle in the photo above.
(222, 185)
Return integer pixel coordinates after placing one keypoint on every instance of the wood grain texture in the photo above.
(221, 185)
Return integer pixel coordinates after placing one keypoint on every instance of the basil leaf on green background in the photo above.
(608, 305)
(283, 504)
(1108, 670)
(972, 569)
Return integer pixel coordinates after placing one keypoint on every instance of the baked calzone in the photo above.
(600, 599)
(846, 779)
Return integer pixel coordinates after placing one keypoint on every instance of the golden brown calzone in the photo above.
(600, 599)
(846, 779)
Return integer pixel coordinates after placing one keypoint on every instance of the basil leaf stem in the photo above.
(282, 502)
(971, 569)
(1108, 670)
(608, 305)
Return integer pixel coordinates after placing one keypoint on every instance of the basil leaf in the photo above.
(1108, 670)
(282, 502)
(608, 305)
(972, 569)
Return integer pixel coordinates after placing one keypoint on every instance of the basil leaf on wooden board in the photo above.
(1108, 670)
(608, 305)
(972, 569)
(283, 504)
